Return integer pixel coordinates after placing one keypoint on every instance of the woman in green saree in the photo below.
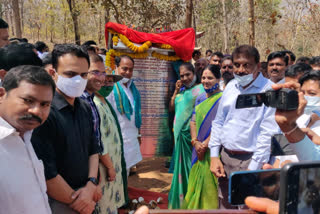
(202, 187)
(182, 102)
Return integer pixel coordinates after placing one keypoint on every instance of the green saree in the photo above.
(203, 185)
(184, 104)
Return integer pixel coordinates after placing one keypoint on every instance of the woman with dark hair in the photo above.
(202, 187)
(182, 102)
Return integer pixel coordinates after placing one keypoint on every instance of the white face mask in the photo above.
(313, 103)
(72, 87)
(192, 82)
(243, 80)
(125, 80)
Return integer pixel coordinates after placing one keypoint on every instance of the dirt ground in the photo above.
(152, 175)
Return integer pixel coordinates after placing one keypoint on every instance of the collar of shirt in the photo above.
(60, 102)
(6, 129)
(128, 83)
(87, 95)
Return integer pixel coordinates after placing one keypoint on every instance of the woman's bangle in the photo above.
(139, 135)
(193, 141)
(292, 130)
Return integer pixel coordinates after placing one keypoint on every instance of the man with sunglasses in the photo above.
(66, 142)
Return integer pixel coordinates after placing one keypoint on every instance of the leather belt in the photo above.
(232, 152)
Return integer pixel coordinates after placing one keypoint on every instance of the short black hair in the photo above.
(248, 51)
(40, 46)
(279, 54)
(89, 42)
(95, 58)
(47, 60)
(303, 59)
(311, 75)
(291, 54)
(226, 58)
(188, 66)
(315, 60)
(296, 69)
(60, 50)
(209, 51)
(217, 53)
(119, 58)
(196, 52)
(215, 70)
(13, 55)
(3, 24)
(29, 73)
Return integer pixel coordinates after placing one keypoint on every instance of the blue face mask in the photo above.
(313, 103)
(212, 89)
(243, 80)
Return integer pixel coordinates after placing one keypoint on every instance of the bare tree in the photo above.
(225, 27)
(251, 23)
(74, 15)
(189, 12)
(17, 19)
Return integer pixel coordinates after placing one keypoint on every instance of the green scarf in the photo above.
(124, 105)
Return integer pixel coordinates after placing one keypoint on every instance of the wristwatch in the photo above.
(93, 180)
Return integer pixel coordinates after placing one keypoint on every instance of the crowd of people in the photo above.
(70, 131)
(216, 139)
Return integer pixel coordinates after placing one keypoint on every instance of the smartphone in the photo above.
(259, 183)
(300, 187)
(249, 100)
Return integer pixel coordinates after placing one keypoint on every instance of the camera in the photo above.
(284, 99)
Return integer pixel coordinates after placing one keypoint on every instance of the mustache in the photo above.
(31, 117)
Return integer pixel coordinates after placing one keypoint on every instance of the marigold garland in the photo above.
(115, 40)
(165, 57)
(166, 46)
(139, 52)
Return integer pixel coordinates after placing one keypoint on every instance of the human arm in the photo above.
(176, 91)
(59, 189)
(267, 128)
(214, 142)
(303, 140)
(107, 162)
(84, 197)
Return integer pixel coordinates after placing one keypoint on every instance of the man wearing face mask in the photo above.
(310, 86)
(125, 99)
(242, 135)
(66, 142)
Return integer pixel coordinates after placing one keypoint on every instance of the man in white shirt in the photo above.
(25, 100)
(242, 135)
(125, 100)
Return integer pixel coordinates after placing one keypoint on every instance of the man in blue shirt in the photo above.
(242, 135)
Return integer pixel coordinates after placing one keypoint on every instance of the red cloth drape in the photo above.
(182, 41)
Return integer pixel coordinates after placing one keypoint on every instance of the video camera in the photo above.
(284, 99)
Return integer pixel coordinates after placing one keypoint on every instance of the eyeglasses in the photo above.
(227, 66)
(98, 73)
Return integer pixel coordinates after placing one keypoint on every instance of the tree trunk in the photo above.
(22, 15)
(74, 16)
(225, 27)
(189, 10)
(17, 20)
(251, 23)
